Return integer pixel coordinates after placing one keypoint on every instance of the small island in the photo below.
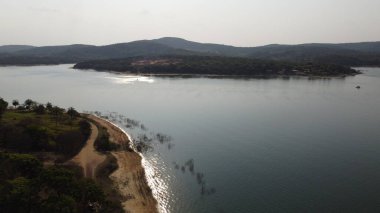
(214, 66)
(58, 160)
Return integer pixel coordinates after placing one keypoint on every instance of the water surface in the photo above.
(265, 145)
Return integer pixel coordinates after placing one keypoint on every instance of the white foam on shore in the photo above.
(157, 185)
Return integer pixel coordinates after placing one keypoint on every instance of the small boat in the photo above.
(357, 87)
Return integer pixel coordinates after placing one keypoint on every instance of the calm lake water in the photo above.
(265, 145)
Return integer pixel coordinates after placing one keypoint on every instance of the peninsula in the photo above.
(214, 66)
(57, 160)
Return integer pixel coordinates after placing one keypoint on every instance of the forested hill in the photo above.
(348, 54)
(77, 53)
(214, 65)
(14, 48)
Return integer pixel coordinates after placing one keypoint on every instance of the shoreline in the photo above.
(221, 76)
(130, 178)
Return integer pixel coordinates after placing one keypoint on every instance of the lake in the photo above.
(263, 145)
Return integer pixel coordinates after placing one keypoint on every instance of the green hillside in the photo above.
(348, 54)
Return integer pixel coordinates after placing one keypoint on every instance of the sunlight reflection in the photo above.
(129, 79)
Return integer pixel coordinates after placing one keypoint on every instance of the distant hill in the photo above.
(217, 49)
(373, 47)
(85, 52)
(14, 48)
(52, 51)
(370, 47)
(77, 53)
(349, 54)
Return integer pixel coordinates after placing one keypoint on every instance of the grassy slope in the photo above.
(63, 137)
(13, 117)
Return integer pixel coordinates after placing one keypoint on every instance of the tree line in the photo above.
(215, 65)
(32, 126)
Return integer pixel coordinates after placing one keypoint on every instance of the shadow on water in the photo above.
(146, 141)
(199, 176)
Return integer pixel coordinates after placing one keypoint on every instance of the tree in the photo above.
(3, 107)
(60, 179)
(85, 128)
(29, 103)
(39, 137)
(17, 165)
(18, 195)
(72, 113)
(59, 204)
(15, 103)
(49, 106)
(91, 192)
(40, 109)
(57, 113)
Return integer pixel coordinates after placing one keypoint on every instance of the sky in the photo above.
(233, 22)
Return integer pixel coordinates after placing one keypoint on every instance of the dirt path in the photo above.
(88, 157)
(129, 178)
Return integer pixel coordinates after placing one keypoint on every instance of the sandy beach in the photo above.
(129, 178)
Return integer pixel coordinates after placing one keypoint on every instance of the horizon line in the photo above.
(152, 40)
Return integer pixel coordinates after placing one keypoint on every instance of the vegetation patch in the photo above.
(26, 186)
(33, 127)
(33, 139)
(215, 65)
(103, 143)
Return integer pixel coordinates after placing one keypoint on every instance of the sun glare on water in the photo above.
(128, 79)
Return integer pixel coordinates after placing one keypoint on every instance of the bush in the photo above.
(40, 109)
(3, 107)
(70, 142)
(85, 128)
(39, 137)
(55, 189)
(16, 165)
(102, 143)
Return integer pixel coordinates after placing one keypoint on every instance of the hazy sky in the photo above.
(235, 22)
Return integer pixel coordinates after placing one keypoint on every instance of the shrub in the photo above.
(85, 128)
(40, 109)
